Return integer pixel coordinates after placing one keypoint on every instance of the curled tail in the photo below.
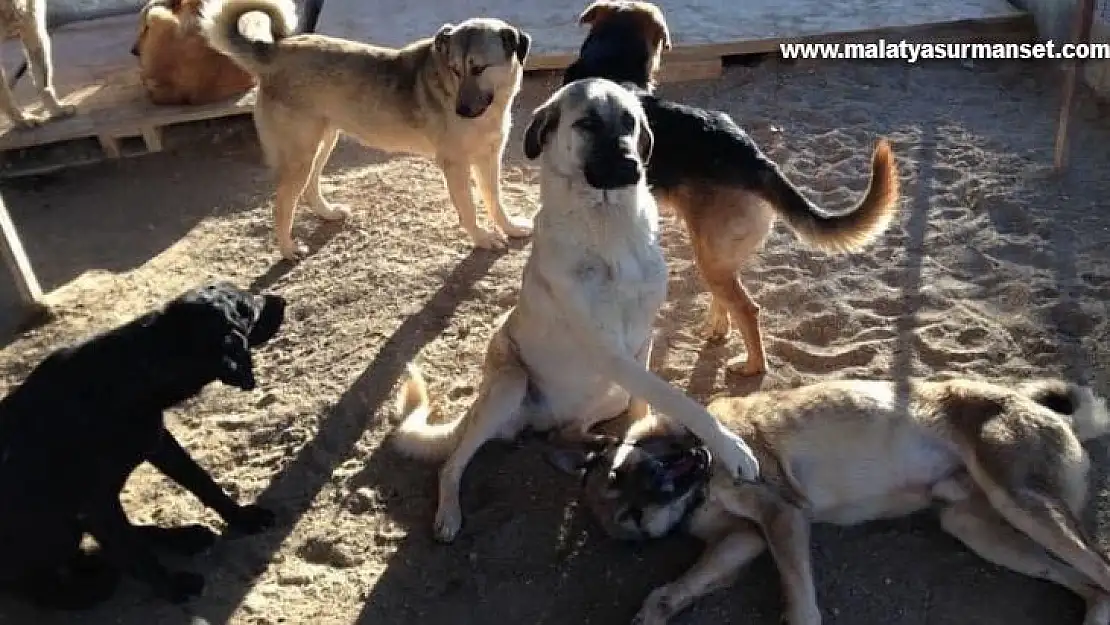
(843, 232)
(220, 24)
(1087, 411)
(415, 436)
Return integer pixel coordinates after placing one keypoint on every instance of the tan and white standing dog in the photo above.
(447, 97)
(574, 351)
(1005, 466)
(26, 19)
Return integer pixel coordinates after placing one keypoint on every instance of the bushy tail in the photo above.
(843, 232)
(415, 436)
(1088, 413)
(220, 24)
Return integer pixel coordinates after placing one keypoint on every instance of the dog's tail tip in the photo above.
(1086, 410)
(415, 436)
(1091, 418)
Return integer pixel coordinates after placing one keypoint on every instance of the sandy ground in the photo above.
(996, 269)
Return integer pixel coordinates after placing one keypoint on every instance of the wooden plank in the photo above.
(699, 28)
(1084, 19)
(684, 69)
(30, 293)
(96, 71)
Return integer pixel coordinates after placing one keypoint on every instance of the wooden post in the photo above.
(16, 260)
(1084, 18)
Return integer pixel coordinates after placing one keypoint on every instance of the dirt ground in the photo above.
(996, 269)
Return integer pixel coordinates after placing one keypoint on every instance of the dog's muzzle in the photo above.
(472, 109)
(613, 171)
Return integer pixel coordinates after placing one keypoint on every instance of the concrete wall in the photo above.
(1055, 20)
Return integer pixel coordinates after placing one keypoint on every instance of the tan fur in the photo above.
(656, 33)
(1008, 474)
(176, 64)
(596, 278)
(414, 100)
(26, 19)
(727, 226)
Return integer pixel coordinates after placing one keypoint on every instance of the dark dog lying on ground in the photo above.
(711, 173)
(88, 415)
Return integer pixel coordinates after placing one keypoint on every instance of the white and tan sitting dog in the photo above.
(1005, 466)
(574, 351)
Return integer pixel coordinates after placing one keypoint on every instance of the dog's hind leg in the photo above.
(11, 108)
(499, 402)
(108, 524)
(715, 569)
(487, 175)
(291, 144)
(321, 207)
(979, 527)
(36, 41)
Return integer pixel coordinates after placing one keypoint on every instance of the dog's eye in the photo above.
(628, 122)
(477, 70)
(589, 124)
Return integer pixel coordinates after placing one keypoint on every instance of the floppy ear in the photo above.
(443, 37)
(269, 320)
(662, 34)
(647, 140)
(516, 42)
(595, 12)
(236, 365)
(543, 122)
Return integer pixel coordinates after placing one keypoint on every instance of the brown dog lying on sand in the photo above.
(1004, 465)
(711, 173)
(176, 64)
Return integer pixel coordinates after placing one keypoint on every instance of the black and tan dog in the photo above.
(88, 415)
(1004, 465)
(447, 96)
(709, 171)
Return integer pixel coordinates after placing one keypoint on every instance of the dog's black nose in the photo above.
(613, 173)
(135, 50)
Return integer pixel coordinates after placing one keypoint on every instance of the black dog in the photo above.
(88, 415)
(710, 172)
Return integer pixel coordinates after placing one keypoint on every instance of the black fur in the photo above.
(88, 415)
(691, 144)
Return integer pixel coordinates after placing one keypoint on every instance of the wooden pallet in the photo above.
(703, 31)
(95, 70)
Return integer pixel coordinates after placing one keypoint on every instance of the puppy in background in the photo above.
(176, 64)
(26, 19)
(710, 172)
(574, 351)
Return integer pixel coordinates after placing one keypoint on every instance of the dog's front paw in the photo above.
(488, 240)
(448, 523)
(293, 251)
(331, 212)
(27, 121)
(746, 367)
(657, 608)
(734, 454)
(183, 586)
(251, 519)
(518, 227)
(188, 540)
(717, 324)
(64, 110)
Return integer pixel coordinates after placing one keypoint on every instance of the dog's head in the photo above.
(641, 490)
(159, 15)
(486, 57)
(215, 327)
(625, 42)
(592, 128)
